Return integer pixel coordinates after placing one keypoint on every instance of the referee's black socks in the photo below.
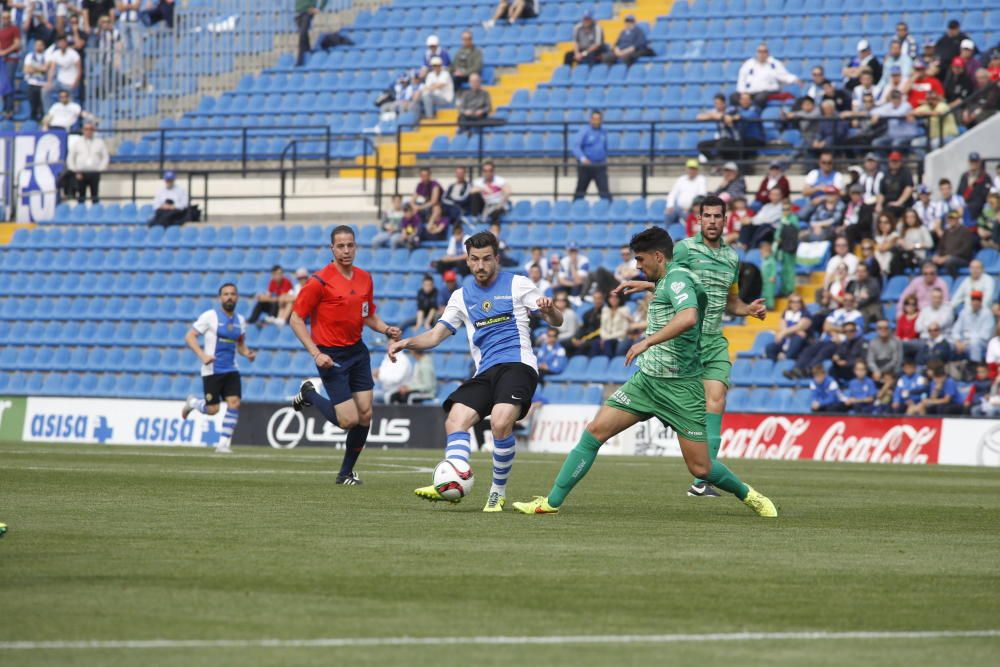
(356, 439)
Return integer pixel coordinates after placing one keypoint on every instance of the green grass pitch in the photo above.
(134, 544)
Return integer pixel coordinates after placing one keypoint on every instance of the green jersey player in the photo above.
(668, 384)
(717, 267)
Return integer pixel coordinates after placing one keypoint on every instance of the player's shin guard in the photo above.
(356, 439)
(458, 447)
(726, 479)
(229, 425)
(713, 423)
(503, 459)
(575, 468)
(324, 405)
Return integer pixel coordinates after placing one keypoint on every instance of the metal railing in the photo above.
(128, 77)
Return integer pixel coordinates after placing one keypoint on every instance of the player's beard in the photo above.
(229, 306)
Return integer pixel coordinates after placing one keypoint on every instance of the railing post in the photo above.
(645, 190)
(281, 196)
(479, 148)
(555, 182)
(243, 153)
(295, 165)
(399, 165)
(652, 147)
(326, 154)
(565, 156)
(163, 147)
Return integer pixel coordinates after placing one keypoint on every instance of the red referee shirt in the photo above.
(336, 306)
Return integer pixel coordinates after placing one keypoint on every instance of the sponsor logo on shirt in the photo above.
(491, 321)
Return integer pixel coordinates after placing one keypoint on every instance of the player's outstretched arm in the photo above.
(377, 324)
(425, 341)
(681, 322)
(633, 286)
(191, 338)
(550, 313)
(738, 308)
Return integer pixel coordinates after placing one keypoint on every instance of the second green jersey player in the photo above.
(668, 384)
(718, 268)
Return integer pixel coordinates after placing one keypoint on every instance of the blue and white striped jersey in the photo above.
(222, 334)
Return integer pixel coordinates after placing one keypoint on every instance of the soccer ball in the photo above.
(453, 479)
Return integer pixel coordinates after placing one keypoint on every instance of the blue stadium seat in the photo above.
(760, 343)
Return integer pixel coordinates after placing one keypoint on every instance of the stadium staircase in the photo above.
(525, 77)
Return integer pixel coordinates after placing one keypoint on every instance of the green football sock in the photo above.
(713, 424)
(575, 468)
(726, 479)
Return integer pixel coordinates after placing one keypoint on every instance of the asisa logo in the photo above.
(164, 429)
(60, 427)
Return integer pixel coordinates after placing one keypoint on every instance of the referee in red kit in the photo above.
(338, 300)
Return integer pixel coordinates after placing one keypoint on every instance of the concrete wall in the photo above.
(952, 160)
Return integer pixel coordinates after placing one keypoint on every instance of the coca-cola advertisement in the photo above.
(831, 438)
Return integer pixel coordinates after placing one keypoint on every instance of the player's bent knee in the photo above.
(233, 403)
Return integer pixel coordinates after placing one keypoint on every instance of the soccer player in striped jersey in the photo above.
(494, 310)
(339, 301)
(224, 331)
(667, 386)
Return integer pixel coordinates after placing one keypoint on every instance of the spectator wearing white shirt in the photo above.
(64, 113)
(973, 329)
(946, 202)
(924, 207)
(438, 91)
(455, 256)
(841, 256)
(574, 270)
(128, 21)
(490, 196)
(763, 75)
(36, 73)
(65, 69)
(538, 258)
(937, 311)
(978, 281)
(685, 189)
(170, 202)
(87, 158)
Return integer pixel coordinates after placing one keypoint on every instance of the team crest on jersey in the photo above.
(677, 287)
(208, 398)
(487, 306)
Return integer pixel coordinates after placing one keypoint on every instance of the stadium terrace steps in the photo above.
(526, 76)
(8, 229)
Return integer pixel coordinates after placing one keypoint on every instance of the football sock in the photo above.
(356, 439)
(228, 424)
(726, 479)
(199, 405)
(575, 468)
(322, 404)
(503, 459)
(713, 422)
(458, 447)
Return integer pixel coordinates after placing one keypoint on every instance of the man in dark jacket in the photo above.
(867, 292)
(974, 186)
(849, 350)
(956, 245)
(949, 46)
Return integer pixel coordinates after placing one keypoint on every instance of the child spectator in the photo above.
(740, 217)
(861, 391)
(391, 220)
(427, 304)
(942, 394)
(793, 331)
(883, 399)
(910, 388)
(769, 274)
(551, 355)
(409, 229)
(826, 394)
(979, 390)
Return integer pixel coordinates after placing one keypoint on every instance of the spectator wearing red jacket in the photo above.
(268, 302)
(920, 83)
(775, 179)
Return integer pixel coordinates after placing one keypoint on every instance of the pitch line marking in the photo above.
(347, 642)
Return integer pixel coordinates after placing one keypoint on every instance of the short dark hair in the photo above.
(719, 96)
(276, 267)
(712, 200)
(225, 285)
(818, 368)
(597, 112)
(489, 163)
(341, 229)
(943, 181)
(652, 240)
(482, 240)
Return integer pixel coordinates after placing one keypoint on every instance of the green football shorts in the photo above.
(677, 402)
(715, 359)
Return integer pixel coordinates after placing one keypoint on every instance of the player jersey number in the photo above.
(364, 309)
